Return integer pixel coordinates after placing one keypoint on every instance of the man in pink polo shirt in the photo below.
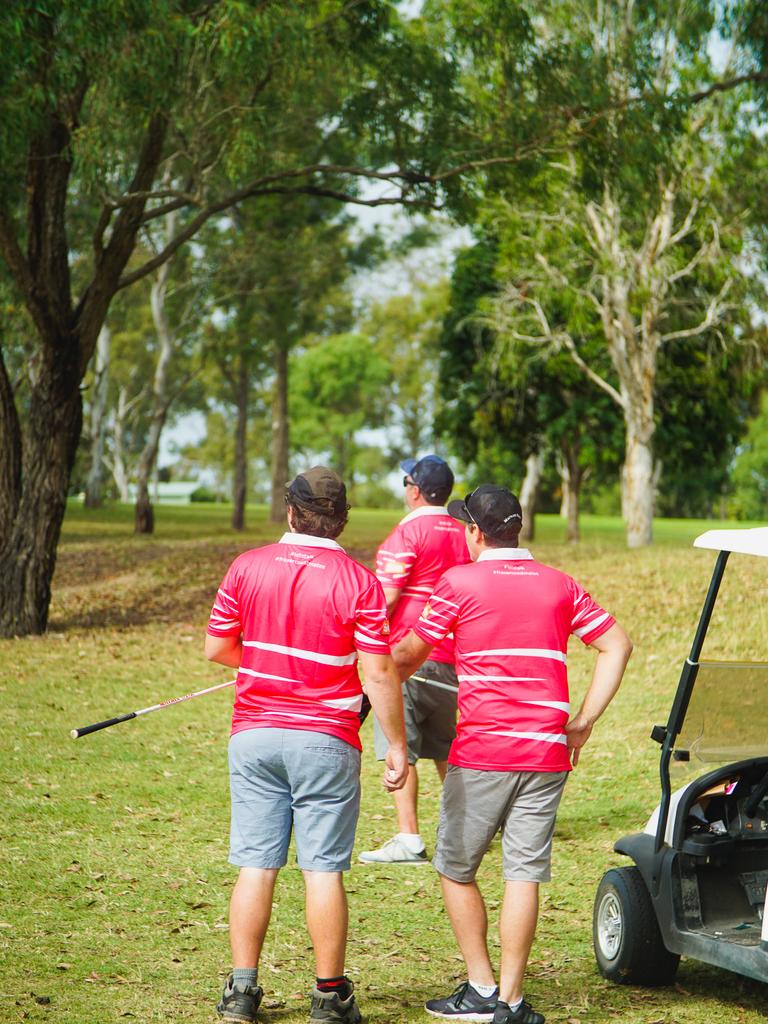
(516, 740)
(295, 618)
(408, 565)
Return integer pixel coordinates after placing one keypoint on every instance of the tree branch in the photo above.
(228, 201)
(725, 86)
(715, 309)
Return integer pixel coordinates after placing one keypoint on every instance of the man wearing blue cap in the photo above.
(409, 563)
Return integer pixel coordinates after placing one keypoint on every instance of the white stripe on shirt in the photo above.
(505, 679)
(591, 625)
(267, 675)
(519, 652)
(297, 652)
(559, 705)
(345, 703)
(545, 737)
(365, 638)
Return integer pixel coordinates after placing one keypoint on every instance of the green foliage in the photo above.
(750, 472)
(405, 330)
(461, 415)
(339, 386)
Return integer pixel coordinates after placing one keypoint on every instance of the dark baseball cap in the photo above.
(431, 474)
(493, 509)
(319, 490)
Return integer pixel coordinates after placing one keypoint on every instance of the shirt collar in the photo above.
(425, 510)
(306, 540)
(504, 555)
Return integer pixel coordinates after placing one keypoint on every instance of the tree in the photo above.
(176, 311)
(94, 105)
(97, 419)
(749, 477)
(406, 331)
(340, 386)
(638, 227)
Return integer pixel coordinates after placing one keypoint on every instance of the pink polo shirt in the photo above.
(511, 617)
(412, 559)
(304, 609)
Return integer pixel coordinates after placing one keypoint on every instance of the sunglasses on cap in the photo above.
(466, 508)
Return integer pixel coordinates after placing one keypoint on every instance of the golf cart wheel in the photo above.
(628, 946)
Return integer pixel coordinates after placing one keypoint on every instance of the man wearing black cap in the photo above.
(408, 565)
(295, 618)
(516, 741)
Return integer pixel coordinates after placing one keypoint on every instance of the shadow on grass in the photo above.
(139, 583)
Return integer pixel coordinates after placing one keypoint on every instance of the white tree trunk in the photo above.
(565, 484)
(95, 479)
(638, 490)
(529, 490)
(144, 520)
(117, 460)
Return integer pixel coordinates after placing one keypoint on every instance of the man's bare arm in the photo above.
(382, 686)
(613, 650)
(410, 653)
(391, 596)
(224, 650)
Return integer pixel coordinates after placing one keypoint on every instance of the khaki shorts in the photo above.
(429, 705)
(476, 804)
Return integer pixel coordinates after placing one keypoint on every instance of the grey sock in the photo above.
(245, 977)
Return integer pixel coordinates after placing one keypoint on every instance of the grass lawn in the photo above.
(115, 883)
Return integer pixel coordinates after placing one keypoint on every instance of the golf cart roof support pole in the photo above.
(683, 695)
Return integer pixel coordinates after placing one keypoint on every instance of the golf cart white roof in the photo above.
(745, 542)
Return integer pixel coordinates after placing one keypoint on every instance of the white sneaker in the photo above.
(394, 851)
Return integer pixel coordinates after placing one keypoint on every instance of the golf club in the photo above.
(87, 729)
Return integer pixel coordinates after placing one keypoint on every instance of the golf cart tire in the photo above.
(628, 946)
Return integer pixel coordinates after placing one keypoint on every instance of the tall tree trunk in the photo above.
(534, 465)
(280, 434)
(241, 447)
(66, 339)
(144, 517)
(93, 486)
(10, 454)
(638, 486)
(571, 479)
(117, 461)
(33, 512)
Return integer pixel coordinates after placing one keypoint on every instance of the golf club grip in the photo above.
(77, 733)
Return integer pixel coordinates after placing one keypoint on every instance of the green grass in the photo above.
(113, 897)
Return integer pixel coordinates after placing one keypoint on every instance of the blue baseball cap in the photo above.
(432, 475)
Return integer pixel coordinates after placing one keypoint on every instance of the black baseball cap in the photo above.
(319, 490)
(431, 474)
(493, 509)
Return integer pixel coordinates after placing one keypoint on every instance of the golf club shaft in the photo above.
(87, 729)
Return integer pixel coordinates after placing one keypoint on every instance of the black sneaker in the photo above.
(524, 1014)
(239, 1004)
(465, 1003)
(331, 1007)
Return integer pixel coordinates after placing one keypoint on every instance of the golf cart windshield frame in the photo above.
(666, 735)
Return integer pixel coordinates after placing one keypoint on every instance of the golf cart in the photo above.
(698, 886)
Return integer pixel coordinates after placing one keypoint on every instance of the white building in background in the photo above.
(177, 492)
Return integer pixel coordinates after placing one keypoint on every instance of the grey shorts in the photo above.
(284, 779)
(476, 804)
(429, 703)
